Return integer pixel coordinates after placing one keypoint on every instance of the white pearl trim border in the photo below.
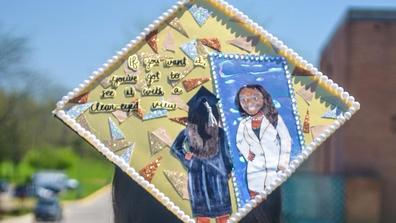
(288, 53)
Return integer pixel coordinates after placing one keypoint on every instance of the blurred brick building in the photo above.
(361, 57)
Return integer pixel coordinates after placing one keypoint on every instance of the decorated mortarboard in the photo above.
(201, 96)
(133, 110)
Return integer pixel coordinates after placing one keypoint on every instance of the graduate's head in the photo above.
(202, 108)
(252, 99)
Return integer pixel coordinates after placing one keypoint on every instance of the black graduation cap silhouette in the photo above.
(200, 97)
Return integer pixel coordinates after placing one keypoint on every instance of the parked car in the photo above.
(48, 210)
(54, 180)
(3, 186)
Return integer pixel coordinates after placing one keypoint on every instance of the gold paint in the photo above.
(133, 62)
(163, 105)
(118, 80)
(177, 91)
(152, 77)
(108, 93)
(129, 92)
(199, 61)
(175, 76)
(153, 91)
(150, 62)
(175, 62)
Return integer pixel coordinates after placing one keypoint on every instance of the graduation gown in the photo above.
(207, 177)
(272, 151)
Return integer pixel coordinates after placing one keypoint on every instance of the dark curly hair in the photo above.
(269, 110)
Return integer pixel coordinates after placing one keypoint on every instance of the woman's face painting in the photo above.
(251, 100)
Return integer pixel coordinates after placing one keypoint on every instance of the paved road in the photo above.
(96, 208)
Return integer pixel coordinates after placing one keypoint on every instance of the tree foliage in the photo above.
(26, 102)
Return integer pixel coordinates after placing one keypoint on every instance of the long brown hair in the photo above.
(202, 138)
(269, 110)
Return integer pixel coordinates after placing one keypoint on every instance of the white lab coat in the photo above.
(271, 155)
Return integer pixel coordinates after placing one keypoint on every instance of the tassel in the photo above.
(211, 120)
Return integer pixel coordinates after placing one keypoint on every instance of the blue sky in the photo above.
(70, 39)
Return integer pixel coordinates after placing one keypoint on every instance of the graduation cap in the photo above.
(208, 100)
(201, 96)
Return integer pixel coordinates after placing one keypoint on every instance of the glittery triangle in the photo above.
(331, 114)
(175, 23)
(179, 102)
(190, 49)
(127, 155)
(155, 114)
(120, 115)
(82, 120)
(163, 136)
(116, 145)
(193, 83)
(213, 43)
(116, 133)
(245, 43)
(299, 71)
(81, 99)
(77, 110)
(200, 14)
(179, 182)
(156, 144)
(105, 83)
(169, 42)
(184, 72)
(152, 40)
(149, 170)
(180, 120)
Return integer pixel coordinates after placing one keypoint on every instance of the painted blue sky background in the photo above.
(231, 75)
(70, 39)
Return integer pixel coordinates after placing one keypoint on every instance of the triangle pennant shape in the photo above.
(179, 102)
(152, 40)
(81, 99)
(331, 114)
(127, 154)
(175, 23)
(191, 84)
(169, 42)
(179, 182)
(77, 110)
(82, 120)
(190, 49)
(159, 139)
(299, 71)
(245, 43)
(200, 14)
(116, 145)
(150, 169)
(213, 43)
(180, 120)
(116, 133)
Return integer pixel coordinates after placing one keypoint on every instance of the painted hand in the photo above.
(251, 156)
(188, 156)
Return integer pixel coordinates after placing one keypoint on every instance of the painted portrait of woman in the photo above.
(262, 137)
